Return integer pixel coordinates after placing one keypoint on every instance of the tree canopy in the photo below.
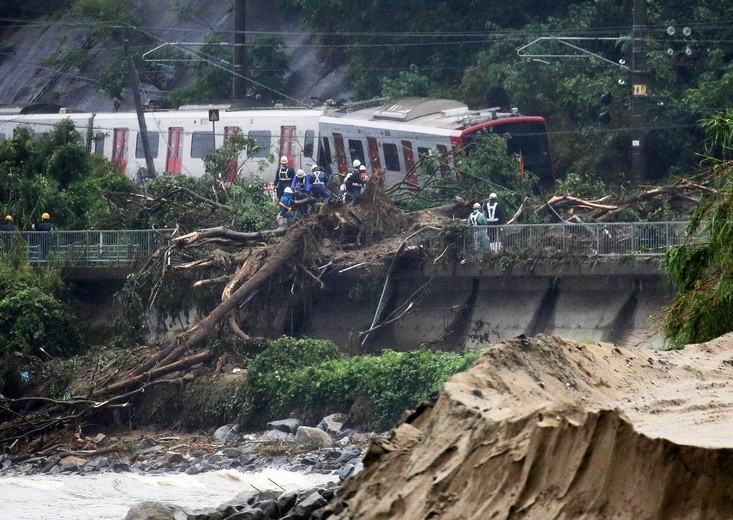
(702, 268)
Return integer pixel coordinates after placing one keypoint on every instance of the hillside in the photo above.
(544, 428)
(29, 72)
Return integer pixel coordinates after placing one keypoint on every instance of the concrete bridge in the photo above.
(588, 282)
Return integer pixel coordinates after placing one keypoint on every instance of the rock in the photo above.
(98, 438)
(278, 435)
(120, 467)
(286, 501)
(313, 437)
(285, 425)
(349, 453)
(171, 457)
(346, 472)
(333, 423)
(150, 510)
(72, 463)
(221, 433)
(231, 453)
(309, 504)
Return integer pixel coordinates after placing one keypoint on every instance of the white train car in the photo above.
(179, 140)
(390, 138)
(41, 124)
(394, 136)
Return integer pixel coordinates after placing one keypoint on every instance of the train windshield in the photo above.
(528, 138)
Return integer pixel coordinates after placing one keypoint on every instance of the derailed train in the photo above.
(390, 137)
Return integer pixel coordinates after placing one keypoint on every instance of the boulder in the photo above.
(285, 425)
(313, 437)
(150, 510)
(333, 423)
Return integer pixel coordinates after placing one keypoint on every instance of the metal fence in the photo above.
(107, 248)
(594, 239)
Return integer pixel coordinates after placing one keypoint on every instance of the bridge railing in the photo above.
(592, 239)
(107, 248)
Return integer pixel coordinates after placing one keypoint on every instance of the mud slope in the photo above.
(543, 428)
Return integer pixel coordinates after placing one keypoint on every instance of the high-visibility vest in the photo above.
(491, 215)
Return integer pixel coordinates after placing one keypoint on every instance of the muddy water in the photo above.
(110, 495)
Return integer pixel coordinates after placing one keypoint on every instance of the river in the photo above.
(110, 495)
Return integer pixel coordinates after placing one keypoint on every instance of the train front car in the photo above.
(392, 137)
(527, 141)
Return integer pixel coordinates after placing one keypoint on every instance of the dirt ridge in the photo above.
(545, 428)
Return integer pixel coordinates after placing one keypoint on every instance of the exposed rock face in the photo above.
(26, 78)
(548, 429)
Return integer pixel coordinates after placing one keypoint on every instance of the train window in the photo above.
(391, 158)
(326, 151)
(202, 143)
(153, 140)
(356, 149)
(263, 139)
(310, 137)
(423, 152)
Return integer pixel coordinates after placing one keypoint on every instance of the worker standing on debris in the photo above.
(354, 184)
(477, 227)
(283, 176)
(318, 181)
(301, 187)
(494, 219)
(285, 214)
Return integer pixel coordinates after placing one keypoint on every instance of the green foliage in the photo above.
(268, 373)
(32, 318)
(308, 378)
(580, 185)
(703, 269)
(55, 173)
(407, 83)
(266, 64)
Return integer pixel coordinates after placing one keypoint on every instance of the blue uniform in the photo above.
(286, 207)
(318, 181)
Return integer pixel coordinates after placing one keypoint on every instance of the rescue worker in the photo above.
(319, 181)
(494, 218)
(301, 187)
(476, 222)
(285, 214)
(354, 184)
(283, 176)
(8, 226)
(41, 239)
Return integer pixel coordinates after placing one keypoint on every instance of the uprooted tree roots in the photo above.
(246, 270)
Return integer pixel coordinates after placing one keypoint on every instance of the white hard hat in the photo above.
(284, 159)
(314, 167)
(300, 173)
(477, 206)
(492, 196)
(362, 168)
(357, 163)
(288, 189)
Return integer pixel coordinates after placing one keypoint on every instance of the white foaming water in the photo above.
(110, 495)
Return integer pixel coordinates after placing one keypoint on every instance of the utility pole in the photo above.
(135, 82)
(638, 97)
(239, 86)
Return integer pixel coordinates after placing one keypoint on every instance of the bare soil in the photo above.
(544, 428)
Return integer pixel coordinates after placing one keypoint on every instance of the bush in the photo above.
(307, 378)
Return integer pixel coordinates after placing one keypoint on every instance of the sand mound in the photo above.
(548, 429)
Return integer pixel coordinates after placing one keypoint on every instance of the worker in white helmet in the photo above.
(284, 176)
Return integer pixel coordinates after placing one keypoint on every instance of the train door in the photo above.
(409, 157)
(231, 175)
(338, 142)
(443, 154)
(175, 149)
(287, 136)
(373, 149)
(119, 148)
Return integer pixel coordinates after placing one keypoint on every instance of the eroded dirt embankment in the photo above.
(548, 429)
